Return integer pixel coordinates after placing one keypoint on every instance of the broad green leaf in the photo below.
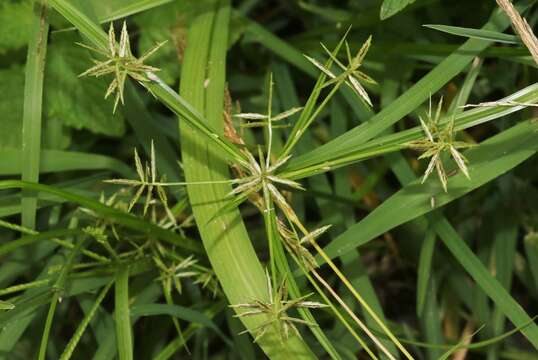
(11, 105)
(77, 102)
(16, 24)
(392, 7)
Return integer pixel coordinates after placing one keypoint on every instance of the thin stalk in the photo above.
(359, 298)
(305, 120)
(295, 138)
(70, 347)
(25, 286)
(354, 317)
(58, 292)
(122, 318)
(340, 317)
(269, 229)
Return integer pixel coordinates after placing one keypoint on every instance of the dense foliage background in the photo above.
(93, 269)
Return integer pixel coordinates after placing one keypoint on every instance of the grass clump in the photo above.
(281, 211)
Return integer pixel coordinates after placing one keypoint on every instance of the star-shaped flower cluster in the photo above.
(262, 174)
(276, 311)
(351, 74)
(440, 140)
(148, 182)
(172, 274)
(120, 61)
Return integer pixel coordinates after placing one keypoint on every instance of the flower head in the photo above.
(120, 61)
(262, 174)
(275, 310)
(148, 182)
(351, 74)
(440, 140)
(172, 274)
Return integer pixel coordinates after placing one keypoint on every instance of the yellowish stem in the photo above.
(361, 300)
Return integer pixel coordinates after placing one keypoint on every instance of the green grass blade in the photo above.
(13, 245)
(180, 312)
(121, 314)
(120, 217)
(46, 331)
(424, 269)
(397, 141)
(58, 292)
(33, 100)
(58, 161)
(480, 34)
(117, 9)
(488, 160)
(531, 250)
(430, 321)
(225, 239)
(514, 145)
(503, 252)
(490, 285)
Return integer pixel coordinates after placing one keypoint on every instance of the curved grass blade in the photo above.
(13, 245)
(118, 9)
(227, 243)
(58, 161)
(122, 218)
